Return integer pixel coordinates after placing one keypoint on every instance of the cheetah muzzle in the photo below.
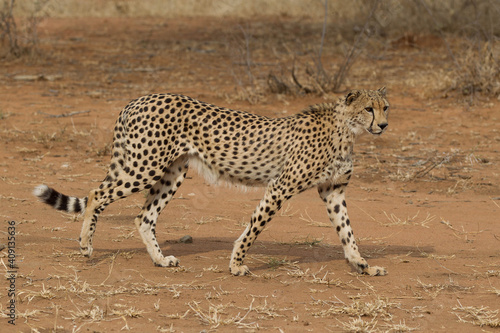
(157, 137)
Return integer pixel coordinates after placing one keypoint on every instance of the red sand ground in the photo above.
(424, 200)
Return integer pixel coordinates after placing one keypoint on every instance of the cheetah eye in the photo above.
(369, 109)
(385, 108)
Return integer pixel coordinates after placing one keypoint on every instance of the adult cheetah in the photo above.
(156, 138)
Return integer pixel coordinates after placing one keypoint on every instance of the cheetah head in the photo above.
(367, 110)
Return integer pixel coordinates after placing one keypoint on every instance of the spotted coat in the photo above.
(157, 137)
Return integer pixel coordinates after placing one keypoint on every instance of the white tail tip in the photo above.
(40, 190)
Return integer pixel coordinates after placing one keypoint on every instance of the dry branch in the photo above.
(69, 114)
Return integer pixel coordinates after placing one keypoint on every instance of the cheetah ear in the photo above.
(351, 96)
(383, 91)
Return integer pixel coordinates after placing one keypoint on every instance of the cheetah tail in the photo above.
(60, 201)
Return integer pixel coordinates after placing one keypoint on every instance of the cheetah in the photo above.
(158, 136)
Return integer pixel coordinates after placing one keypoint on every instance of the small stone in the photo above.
(186, 239)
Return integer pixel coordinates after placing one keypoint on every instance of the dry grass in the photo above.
(467, 236)
(358, 325)
(328, 280)
(433, 290)
(399, 327)
(98, 303)
(495, 291)
(92, 313)
(478, 70)
(204, 220)
(410, 220)
(288, 211)
(310, 241)
(214, 316)
(477, 315)
(456, 168)
(275, 263)
(378, 308)
(310, 221)
(380, 311)
(320, 277)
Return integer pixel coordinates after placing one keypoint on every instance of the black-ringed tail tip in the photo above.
(58, 200)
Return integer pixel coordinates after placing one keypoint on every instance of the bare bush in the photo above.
(8, 28)
(474, 72)
(316, 79)
(243, 68)
(23, 39)
(477, 71)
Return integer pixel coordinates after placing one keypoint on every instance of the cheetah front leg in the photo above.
(334, 197)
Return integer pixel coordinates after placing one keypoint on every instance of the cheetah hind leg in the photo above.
(95, 205)
(110, 190)
(159, 196)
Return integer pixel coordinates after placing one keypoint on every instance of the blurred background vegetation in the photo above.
(468, 29)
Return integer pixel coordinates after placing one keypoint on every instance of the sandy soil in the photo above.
(425, 199)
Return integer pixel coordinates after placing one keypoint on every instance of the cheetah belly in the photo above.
(216, 172)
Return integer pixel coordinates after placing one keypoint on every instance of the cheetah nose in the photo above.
(383, 126)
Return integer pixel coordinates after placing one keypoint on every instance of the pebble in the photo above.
(186, 239)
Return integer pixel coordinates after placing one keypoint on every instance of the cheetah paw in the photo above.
(169, 261)
(239, 270)
(375, 271)
(86, 250)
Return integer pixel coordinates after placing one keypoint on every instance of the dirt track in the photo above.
(424, 201)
